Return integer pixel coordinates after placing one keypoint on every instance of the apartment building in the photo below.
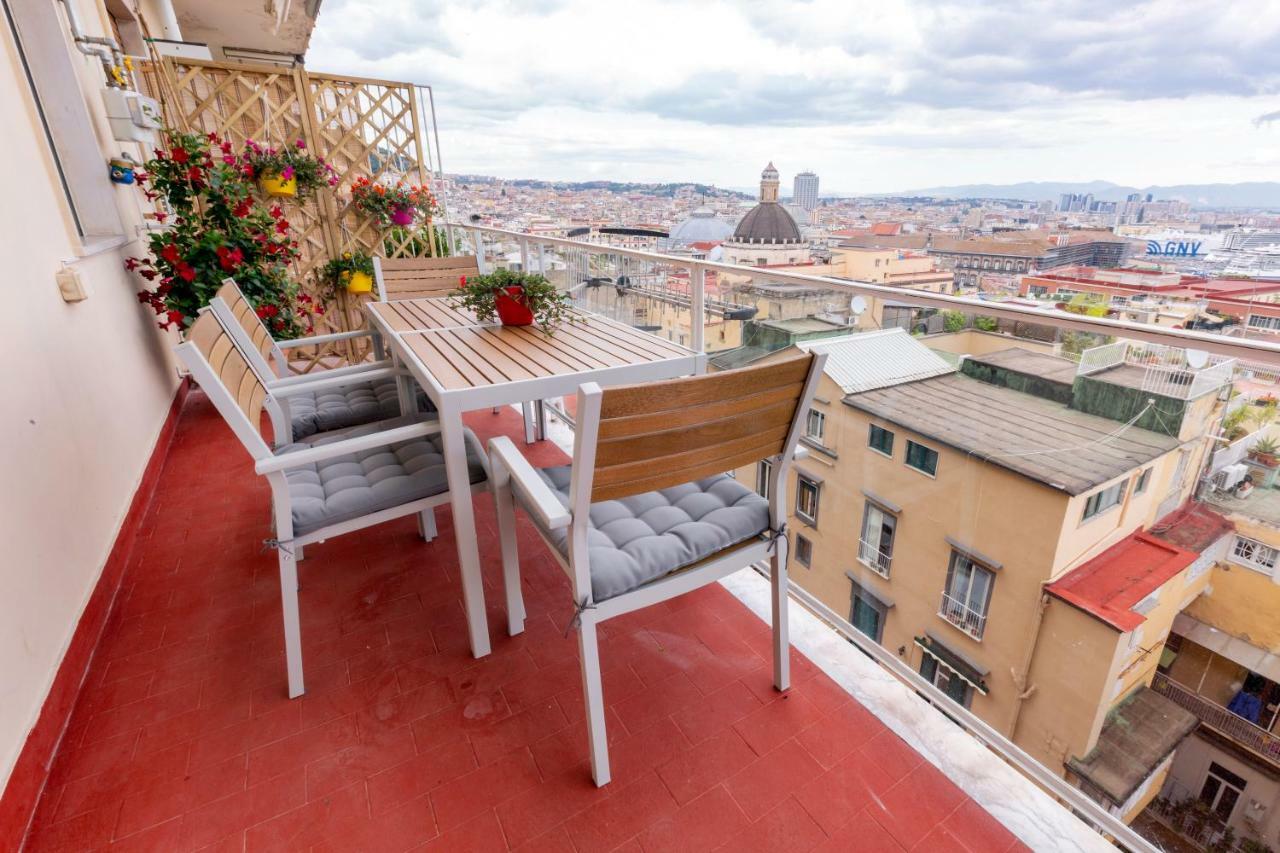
(992, 524)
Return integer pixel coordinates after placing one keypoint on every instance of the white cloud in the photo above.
(874, 96)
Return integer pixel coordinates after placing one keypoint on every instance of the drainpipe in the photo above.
(1025, 692)
(161, 19)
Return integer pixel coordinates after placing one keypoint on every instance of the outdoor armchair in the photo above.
(646, 511)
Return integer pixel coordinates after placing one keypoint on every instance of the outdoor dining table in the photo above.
(463, 365)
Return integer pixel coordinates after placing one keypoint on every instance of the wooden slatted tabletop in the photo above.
(462, 353)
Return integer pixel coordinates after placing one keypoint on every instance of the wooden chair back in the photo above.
(416, 278)
(662, 434)
(240, 385)
(264, 352)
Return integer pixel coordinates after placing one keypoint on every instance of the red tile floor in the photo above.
(184, 739)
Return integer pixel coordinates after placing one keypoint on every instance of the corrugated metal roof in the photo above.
(870, 360)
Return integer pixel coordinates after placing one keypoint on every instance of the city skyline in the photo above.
(890, 98)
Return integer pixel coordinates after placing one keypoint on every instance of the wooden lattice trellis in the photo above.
(363, 128)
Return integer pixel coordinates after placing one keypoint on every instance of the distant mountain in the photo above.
(1265, 194)
(665, 190)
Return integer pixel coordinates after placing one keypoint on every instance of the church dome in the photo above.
(767, 222)
(702, 226)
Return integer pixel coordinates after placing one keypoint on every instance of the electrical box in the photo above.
(71, 285)
(134, 117)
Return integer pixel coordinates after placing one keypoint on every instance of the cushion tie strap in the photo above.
(277, 545)
(578, 609)
(775, 535)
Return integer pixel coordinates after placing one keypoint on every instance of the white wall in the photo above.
(84, 390)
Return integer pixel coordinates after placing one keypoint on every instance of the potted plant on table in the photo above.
(392, 204)
(354, 271)
(515, 298)
(288, 170)
(1264, 452)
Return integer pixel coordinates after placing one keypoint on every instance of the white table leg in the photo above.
(464, 528)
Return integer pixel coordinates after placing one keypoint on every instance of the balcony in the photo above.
(1218, 718)
(873, 558)
(183, 736)
(1167, 371)
(962, 616)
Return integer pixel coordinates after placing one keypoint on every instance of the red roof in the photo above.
(1192, 525)
(1121, 576)
(886, 229)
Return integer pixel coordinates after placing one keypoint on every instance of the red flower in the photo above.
(267, 310)
(194, 174)
(185, 271)
(140, 177)
(161, 217)
(276, 211)
(229, 259)
(462, 281)
(170, 252)
(282, 226)
(176, 317)
(242, 209)
(131, 264)
(149, 275)
(179, 155)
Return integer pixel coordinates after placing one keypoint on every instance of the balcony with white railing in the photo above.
(1178, 372)
(962, 616)
(1218, 718)
(873, 557)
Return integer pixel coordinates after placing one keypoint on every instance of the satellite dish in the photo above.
(857, 305)
(1197, 358)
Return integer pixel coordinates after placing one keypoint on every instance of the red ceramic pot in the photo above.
(512, 310)
(402, 215)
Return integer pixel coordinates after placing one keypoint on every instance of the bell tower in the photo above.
(769, 184)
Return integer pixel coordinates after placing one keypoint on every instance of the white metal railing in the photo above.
(1101, 357)
(963, 616)
(1236, 450)
(1219, 718)
(874, 558)
(1256, 351)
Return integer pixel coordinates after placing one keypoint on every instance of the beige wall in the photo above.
(86, 389)
(1242, 601)
(978, 342)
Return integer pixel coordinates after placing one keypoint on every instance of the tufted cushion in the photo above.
(640, 538)
(361, 483)
(350, 405)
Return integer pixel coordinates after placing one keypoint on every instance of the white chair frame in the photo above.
(267, 463)
(512, 473)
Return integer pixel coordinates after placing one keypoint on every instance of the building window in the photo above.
(1100, 502)
(807, 499)
(881, 440)
(815, 424)
(1221, 791)
(867, 613)
(922, 458)
(876, 546)
(1254, 555)
(763, 472)
(804, 551)
(1271, 324)
(945, 679)
(1144, 480)
(968, 595)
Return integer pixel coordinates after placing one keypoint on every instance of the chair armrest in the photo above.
(283, 462)
(329, 373)
(326, 382)
(541, 501)
(322, 339)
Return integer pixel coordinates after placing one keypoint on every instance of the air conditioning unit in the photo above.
(1229, 477)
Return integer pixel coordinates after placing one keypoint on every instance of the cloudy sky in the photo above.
(874, 95)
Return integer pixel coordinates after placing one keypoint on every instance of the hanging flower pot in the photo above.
(402, 216)
(512, 308)
(275, 185)
(359, 282)
(392, 204)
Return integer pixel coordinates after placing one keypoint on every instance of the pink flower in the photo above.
(301, 144)
(286, 173)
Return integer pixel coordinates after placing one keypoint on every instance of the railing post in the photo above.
(524, 255)
(698, 304)
(480, 260)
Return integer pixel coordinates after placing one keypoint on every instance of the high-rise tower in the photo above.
(804, 190)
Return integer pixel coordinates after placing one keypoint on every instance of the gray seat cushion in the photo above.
(361, 483)
(350, 405)
(637, 539)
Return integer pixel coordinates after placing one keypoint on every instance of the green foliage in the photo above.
(1074, 343)
(218, 229)
(986, 324)
(954, 321)
(1265, 413)
(1233, 423)
(1265, 446)
(479, 294)
(379, 201)
(289, 161)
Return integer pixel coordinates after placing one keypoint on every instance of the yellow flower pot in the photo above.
(274, 185)
(360, 282)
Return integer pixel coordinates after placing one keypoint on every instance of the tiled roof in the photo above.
(1192, 526)
(1112, 582)
(869, 360)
